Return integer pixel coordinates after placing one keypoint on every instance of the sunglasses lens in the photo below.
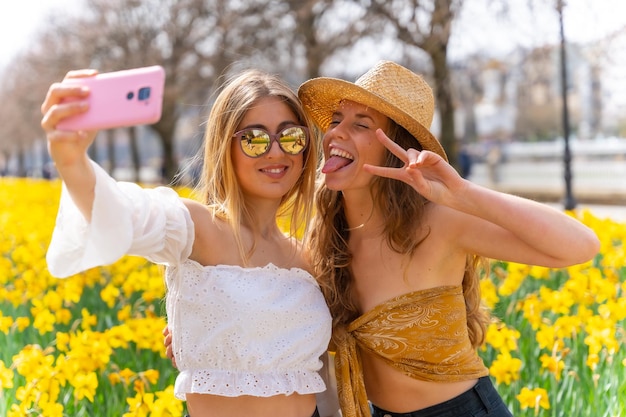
(254, 142)
(293, 140)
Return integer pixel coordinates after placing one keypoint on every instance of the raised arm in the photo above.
(490, 223)
(68, 149)
(119, 217)
(516, 229)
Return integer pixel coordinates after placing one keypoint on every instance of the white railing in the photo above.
(598, 169)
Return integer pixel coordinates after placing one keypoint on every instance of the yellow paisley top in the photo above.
(423, 334)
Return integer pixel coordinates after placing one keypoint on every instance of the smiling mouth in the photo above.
(336, 160)
(274, 170)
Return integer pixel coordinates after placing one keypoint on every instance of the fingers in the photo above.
(65, 99)
(414, 156)
(81, 73)
(397, 150)
(393, 147)
(411, 157)
(67, 89)
(167, 341)
(49, 99)
(62, 102)
(388, 172)
(170, 355)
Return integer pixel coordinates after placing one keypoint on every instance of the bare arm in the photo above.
(521, 230)
(490, 223)
(68, 149)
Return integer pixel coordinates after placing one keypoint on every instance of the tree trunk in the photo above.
(170, 167)
(21, 163)
(444, 102)
(4, 162)
(93, 151)
(134, 153)
(110, 135)
(165, 130)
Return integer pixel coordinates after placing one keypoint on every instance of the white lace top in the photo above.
(237, 331)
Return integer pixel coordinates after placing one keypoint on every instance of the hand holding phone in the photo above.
(119, 99)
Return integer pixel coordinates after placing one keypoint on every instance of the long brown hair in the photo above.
(404, 212)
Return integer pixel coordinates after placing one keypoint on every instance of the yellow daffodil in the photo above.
(534, 398)
(505, 369)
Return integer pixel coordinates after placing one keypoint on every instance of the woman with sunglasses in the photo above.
(249, 323)
(396, 240)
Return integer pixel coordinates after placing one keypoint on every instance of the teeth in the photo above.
(341, 153)
(274, 170)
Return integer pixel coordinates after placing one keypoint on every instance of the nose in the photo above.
(336, 131)
(275, 149)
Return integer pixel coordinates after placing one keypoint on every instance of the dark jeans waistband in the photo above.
(483, 397)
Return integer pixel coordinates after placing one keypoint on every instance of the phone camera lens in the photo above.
(144, 93)
(130, 95)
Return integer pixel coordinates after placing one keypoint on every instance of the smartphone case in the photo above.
(120, 99)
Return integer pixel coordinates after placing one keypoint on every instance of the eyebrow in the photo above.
(281, 125)
(357, 115)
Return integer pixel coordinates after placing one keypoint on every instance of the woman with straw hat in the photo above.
(396, 241)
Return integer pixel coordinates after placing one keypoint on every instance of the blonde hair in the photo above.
(404, 212)
(218, 186)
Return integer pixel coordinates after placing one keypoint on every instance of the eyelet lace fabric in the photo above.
(246, 331)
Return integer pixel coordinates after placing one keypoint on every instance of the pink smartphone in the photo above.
(120, 99)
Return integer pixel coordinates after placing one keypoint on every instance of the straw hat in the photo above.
(389, 88)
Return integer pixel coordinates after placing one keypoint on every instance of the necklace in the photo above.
(362, 225)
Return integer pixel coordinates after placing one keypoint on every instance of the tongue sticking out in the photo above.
(334, 163)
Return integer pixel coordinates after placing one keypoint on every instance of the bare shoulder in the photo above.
(212, 236)
(300, 255)
(196, 209)
(457, 231)
(446, 222)
(203, 218)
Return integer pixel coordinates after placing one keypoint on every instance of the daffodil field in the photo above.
(88, 345)
(92, 344)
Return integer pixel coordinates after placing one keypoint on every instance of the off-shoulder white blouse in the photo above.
(236, 331)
